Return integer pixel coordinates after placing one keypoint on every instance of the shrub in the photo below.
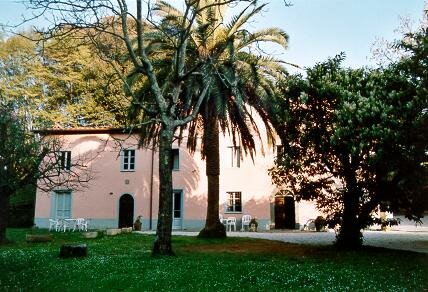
(320, 223)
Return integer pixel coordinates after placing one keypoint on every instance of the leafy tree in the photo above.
(60, 83)
(25, 158)
(239, 80)
(17, 58)
(355, 139)
(80, 89)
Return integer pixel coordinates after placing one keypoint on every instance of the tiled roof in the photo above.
(82, 130)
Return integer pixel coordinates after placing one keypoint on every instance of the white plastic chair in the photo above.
(309, 225)
(245, 221)
(222, 220)
(54, 224)
(231, 221)
(62, 225)
(70, 223)
(82, 224)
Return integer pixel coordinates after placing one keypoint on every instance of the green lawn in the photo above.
(124, 262)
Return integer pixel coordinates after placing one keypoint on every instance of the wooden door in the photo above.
(126, 211)
(285, 212)
(279, 213)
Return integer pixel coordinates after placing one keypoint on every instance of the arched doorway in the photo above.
(126, 211)
(285, 215)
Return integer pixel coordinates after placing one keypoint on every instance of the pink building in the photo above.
(125, 185)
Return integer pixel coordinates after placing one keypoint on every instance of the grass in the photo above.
(124, 262)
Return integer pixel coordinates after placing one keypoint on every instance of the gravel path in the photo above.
(414, 241)
(405, 240)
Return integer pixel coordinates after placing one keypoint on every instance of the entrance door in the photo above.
(126, 211)
(290, 213)
(177, 213)
(285, 212)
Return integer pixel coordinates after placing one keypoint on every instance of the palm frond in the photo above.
(273, 34)
(166, 10)
(242, 18)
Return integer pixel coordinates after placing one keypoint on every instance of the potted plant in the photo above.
(320, 223)
(138, 224)
(253, 225)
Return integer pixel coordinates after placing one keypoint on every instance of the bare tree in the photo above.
(385, 52)
(61, 168)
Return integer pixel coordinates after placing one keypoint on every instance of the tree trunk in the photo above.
(350, 236)
(162, 245)
(213, 227)
(4, 213)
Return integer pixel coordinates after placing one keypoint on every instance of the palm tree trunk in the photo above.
(162, 245)
(213, 227)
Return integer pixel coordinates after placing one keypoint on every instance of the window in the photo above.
(128, 160)
(62, 204)
(279, 151)
(175, 159)
(65, 160)
(233, 156)
(176, 204)
(234, 202)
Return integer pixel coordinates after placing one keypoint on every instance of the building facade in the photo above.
(125, 185)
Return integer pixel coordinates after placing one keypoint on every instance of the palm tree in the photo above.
(241, 79)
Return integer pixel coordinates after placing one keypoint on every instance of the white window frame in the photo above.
(231, 202)
(128, 160)
(177, 191)
(177, 222)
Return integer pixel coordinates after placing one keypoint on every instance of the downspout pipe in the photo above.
(151, 189)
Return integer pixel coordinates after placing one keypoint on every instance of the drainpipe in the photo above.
(151, 188)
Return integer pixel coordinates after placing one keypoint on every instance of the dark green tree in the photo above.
(355, 139)
(26, 158)
(19, 160)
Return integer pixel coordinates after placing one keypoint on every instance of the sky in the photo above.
(318, 29)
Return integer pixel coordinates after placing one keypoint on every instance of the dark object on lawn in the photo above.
(320, 223)
(253, 225)
(138, 224)
(38, 237)
(73, 250)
